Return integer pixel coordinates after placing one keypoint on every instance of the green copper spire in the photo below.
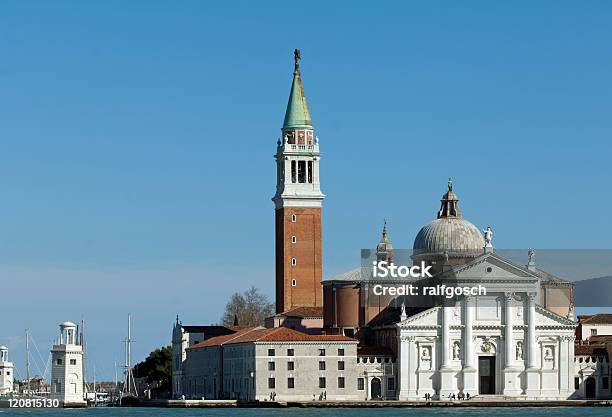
(297, 115)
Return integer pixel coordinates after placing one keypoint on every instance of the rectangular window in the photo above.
(271, 366)
(59, 362)
(340, 382)
(322, 382)
(341, 365)
(605, 382)
(271, 383)
(360, 384)
(293, 261)
(72, 361)
(293, 172)
(593, 332)
(293, 283)
(293, 218)
(321, 365)
(301, 172)
(321, 352)
(309, 172)
(290, 352)
(290, 366)
(576, 383)
(271, 352)
(290, 383)
(391, 384)
(293, 239)
(340, 352)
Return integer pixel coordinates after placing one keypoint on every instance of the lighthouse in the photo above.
(67, 366)
(6, 372)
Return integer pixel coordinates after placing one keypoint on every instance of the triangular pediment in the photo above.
(425, 318)
(492, 267)
(548, 318)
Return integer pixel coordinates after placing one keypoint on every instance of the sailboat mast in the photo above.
(84, 345)
(27, 346)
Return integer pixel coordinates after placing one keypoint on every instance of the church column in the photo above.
(511, 384)
(531, 336)
(469, 371)
(468, 358)
(533, 373)
(403, 365)
(564, 367)
(413, 355)
(446, 313)
(446, 372)
(509, 340)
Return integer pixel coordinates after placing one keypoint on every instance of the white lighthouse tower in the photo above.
(67, 366)
(6, 372)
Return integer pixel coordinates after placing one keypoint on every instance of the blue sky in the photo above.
(136, 165)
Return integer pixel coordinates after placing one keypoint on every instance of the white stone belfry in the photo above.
(6, 372)
(67, 365)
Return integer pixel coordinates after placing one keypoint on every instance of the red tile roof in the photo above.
(221, 340)
(600, 338)
(277, 334)
(303, 312)
(602, 318)
(590, 350)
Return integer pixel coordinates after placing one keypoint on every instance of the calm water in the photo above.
(296, 412)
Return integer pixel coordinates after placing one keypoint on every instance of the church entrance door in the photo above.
(375, 390)
(589, 387)
(486, 375)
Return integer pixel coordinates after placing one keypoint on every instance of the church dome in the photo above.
(456, 236)
(450, 233)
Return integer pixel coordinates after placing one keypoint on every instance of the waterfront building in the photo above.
(184, 337)
(377, 377)
(595, 325)
(516, 341)
(593, 349)
(592, 370)
(67, 366)
(278, 364)
(6, 372)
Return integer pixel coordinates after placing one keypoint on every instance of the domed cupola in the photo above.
(450, 234)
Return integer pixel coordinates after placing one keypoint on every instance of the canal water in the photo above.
(315, 412)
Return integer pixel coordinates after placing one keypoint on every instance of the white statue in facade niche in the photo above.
(519, 350)
(425, 353)
(456, 351)
(548, 353)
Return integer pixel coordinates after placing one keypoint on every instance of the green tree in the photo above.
(247, 309)
(157, 367)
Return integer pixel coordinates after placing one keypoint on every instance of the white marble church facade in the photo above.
(502, 343)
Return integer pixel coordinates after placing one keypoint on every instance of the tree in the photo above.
(247, 309)
(157, 367)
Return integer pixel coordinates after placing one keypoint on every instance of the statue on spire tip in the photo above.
(450, 184)
(297, 56)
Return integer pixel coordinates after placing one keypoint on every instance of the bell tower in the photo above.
(298, 202)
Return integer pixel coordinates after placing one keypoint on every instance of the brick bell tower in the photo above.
(298, 202)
